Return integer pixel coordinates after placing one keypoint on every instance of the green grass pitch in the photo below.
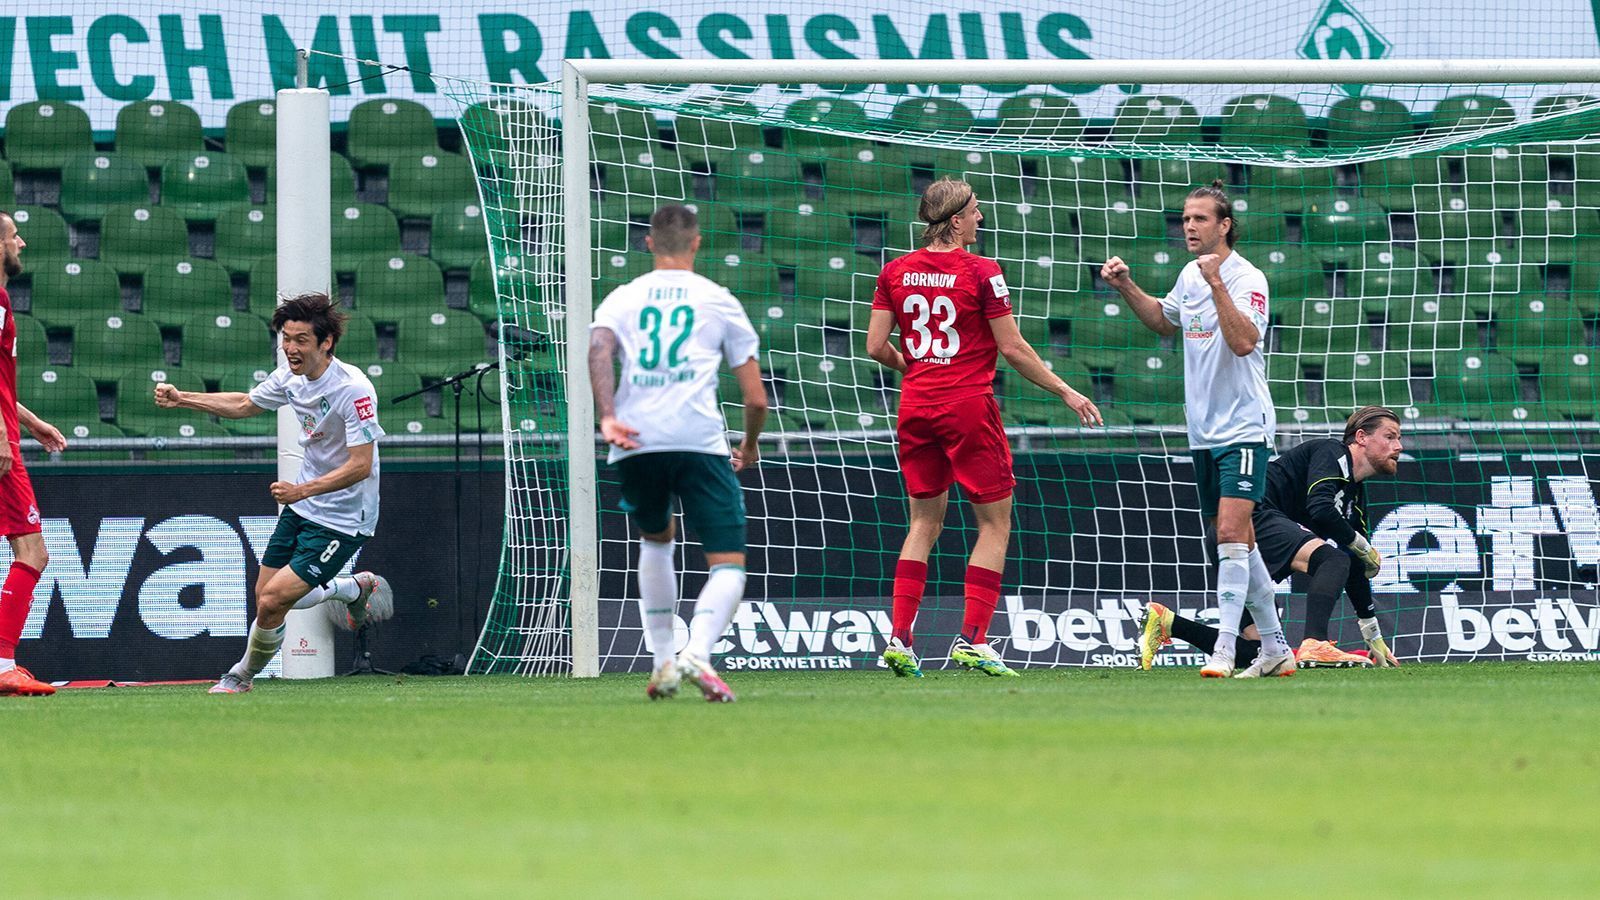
(1475, 780)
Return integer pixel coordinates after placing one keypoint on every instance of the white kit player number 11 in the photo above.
(924, 341)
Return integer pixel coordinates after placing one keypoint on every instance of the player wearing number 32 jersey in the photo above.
(954, 314)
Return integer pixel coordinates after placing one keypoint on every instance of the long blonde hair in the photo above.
(941, 201)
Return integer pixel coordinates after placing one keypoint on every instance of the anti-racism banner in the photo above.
(101, 54)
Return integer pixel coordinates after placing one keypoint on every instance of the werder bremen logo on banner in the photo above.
(1339, 32)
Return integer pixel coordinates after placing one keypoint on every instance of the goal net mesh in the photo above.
(1431, 248)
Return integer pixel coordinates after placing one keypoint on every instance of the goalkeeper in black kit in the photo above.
(1314, 496)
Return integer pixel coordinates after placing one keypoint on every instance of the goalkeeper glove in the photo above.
(1368, 555)
(1382, 656)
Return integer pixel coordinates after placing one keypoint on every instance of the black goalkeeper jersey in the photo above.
(1311, 484)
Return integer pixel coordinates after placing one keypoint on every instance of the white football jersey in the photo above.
(336, 412)
(1226, 396)
(674, 330)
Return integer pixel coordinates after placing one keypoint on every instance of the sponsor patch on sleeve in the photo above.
(997, 284)
(364, 409)
(1258, 302)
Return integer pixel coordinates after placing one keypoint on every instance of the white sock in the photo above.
(714, 609)
(262, 646)
(313, 597)
(7, 664)
(658, 597)
(1233, 588)
(1263, 605)
(344, 589)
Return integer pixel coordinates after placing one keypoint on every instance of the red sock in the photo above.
(15, 599)
(983, 595)
(910, 580)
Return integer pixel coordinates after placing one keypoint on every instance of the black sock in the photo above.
(1330, 569)
(1195, 633)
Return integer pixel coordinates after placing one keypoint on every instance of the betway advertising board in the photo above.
(102, 54)
(1484, 558)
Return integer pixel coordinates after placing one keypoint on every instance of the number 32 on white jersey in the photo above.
(947, 342)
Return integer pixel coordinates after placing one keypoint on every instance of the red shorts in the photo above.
(963, 442)
(19, 512)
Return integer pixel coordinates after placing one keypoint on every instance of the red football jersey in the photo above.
(8, 368)
(942, 303)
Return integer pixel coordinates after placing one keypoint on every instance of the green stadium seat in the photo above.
(58, 394)
(495, 128)
(341, 182)
(622, 133)
(214, 343)
(242, 379)
(1023, 404)
(516, 283)
(1274, 190)
(153, 131)
(756, 178)
(791, 234)
(1292, 273)
(1361, 379)
(107, 347)
(8, 188)
(1107, 337)
(1447, 215)
(1154, 264)
(1258, 223)
(65, 291)
(1530, 326)
(441, 343)
(264, 287)
(1321, 326)
(1156, 119)
(383, 130)
(1148, 387)
(1496, 269)
(1553, 227)
(1108, 231)
(1474, 379)
(1387, 274)
(389, 380)
(93, 183)
(1430, 323)
(137, 413)
(419, 185)
(77, 431)
(363, 231)
(845, 116)
(204, 186)
(1470, 113)
(244, 235)
(32, 340)
(1288, 382)
(403, 285)
(45, 233)
(1393, 182)
(1027, 230)
(1569, 383)
(134, 238)
(1039, 117)
(751, 277)
(42, 135)
(251, 133)
(1166, 183)
(1373, 122)
(1083, 182)
(926, 115)
(1045, 288)
(870, 177)
(457, 236)
(359, 345)
(614, 269)
(175, 292)
(1265, 121)
(1337, 227)
(712, 138)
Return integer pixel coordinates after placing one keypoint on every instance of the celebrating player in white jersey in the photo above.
(673, 329)
(1220, 306)
(331, 508)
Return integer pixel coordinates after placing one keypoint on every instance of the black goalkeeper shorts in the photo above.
(1280, 539)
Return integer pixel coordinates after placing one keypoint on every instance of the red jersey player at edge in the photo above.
(953, 310)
